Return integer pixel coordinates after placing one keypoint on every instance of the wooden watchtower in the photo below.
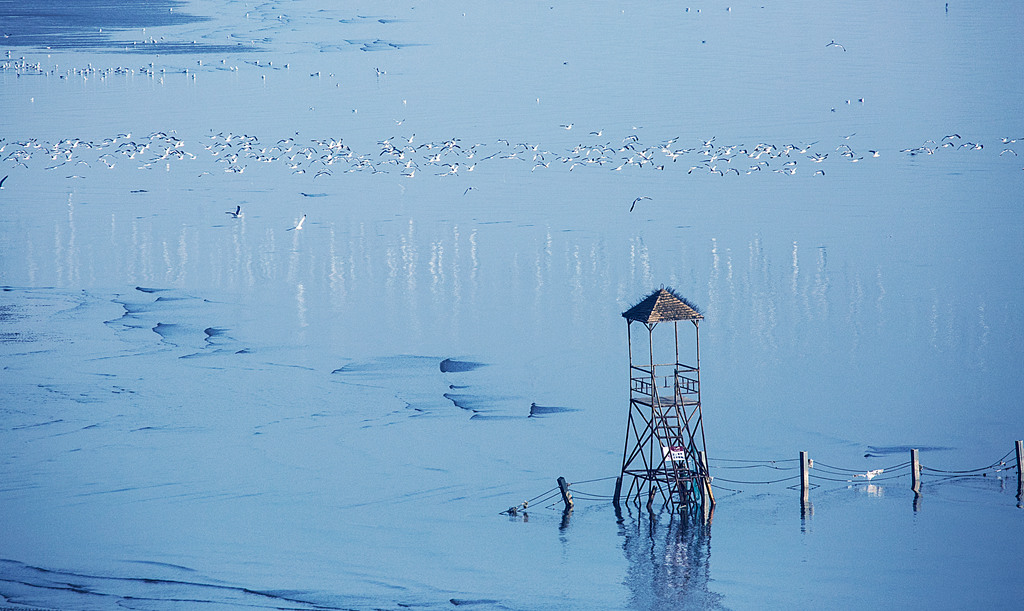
(664, 455)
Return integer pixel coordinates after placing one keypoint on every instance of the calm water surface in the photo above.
(202, 411)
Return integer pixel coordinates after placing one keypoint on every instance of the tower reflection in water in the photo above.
(669, 560)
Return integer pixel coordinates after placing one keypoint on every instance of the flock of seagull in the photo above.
(406, 157)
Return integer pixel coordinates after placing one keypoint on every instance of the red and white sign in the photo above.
(674, 453)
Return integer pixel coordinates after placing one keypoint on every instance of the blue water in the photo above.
(202, 411)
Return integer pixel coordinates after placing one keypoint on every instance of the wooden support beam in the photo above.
(707, 495)
(618, 491)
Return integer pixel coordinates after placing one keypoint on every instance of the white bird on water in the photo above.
(870, 474)
(237, 214)
(299, 224)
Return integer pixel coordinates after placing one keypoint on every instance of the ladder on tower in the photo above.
(670, 428)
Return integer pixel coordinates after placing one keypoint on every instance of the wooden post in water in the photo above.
(566, 495)
(804, 476)
(915, 472)
(618, 491)
(1020, 474)
(709, 496)
(707, 499)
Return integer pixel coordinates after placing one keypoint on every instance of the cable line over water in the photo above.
(815, 470)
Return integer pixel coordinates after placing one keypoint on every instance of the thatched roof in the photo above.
(663, 305)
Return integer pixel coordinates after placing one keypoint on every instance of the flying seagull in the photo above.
(299, 224)
(237, 214)
(836, 44)
(636, 200)
(2, 181)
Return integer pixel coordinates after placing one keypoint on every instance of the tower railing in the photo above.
(670, 375)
